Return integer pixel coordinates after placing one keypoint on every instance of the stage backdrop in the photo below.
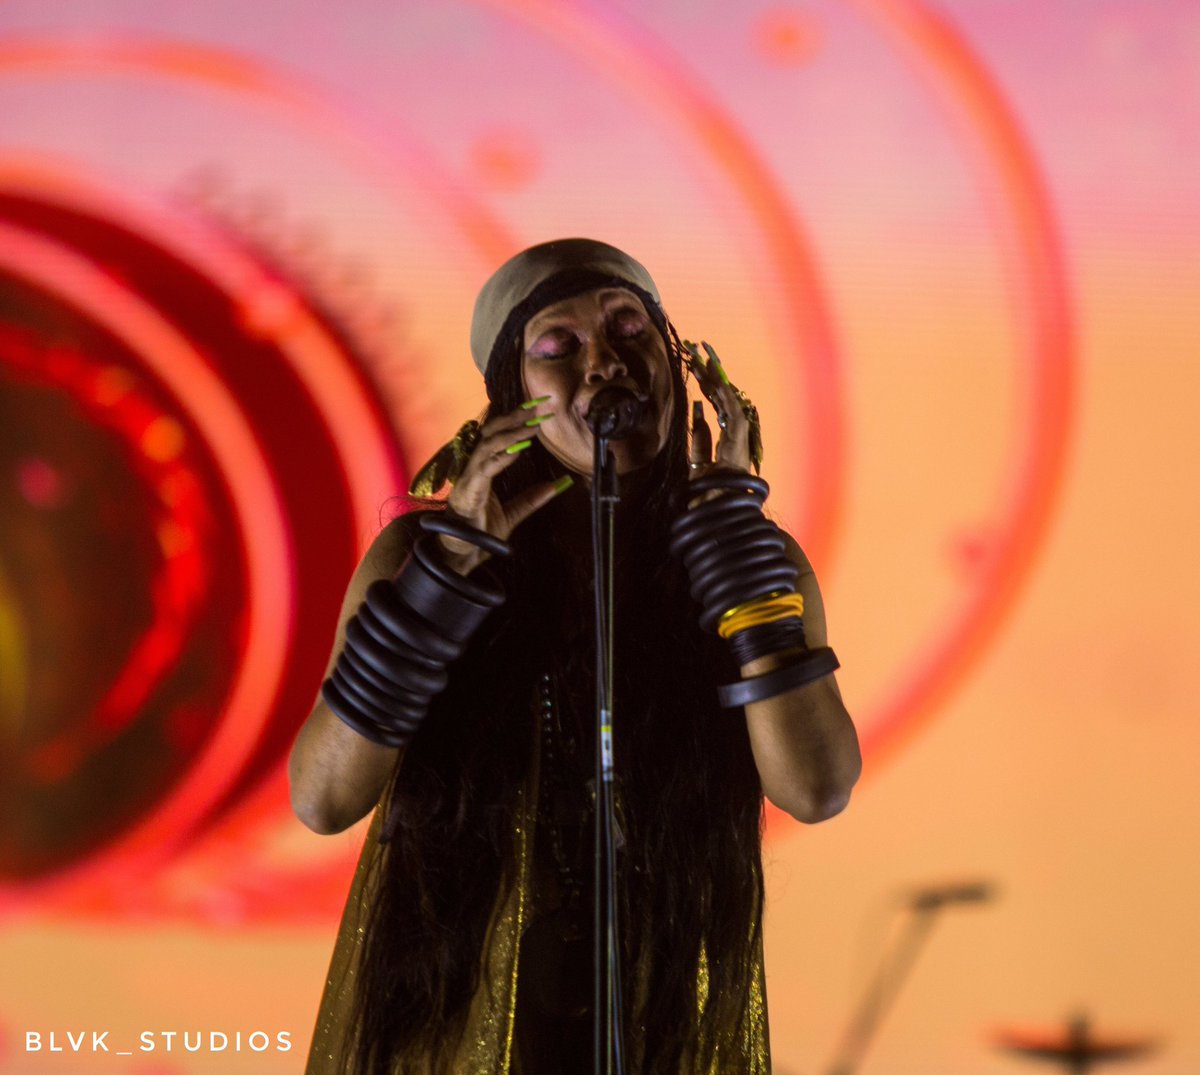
(948, 246)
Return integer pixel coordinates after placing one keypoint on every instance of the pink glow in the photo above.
(40, 483)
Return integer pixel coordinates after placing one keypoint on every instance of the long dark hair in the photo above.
(691, 876)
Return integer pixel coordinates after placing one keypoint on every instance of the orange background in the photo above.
(950, 249)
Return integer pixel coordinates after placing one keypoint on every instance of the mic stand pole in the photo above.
(893, 969)
(607, 1037)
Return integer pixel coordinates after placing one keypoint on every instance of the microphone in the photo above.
(615, 412)
(929, 899)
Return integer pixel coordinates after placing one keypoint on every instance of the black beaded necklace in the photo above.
(556, 949)
(558, 802)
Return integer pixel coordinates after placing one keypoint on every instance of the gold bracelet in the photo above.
(769, 609)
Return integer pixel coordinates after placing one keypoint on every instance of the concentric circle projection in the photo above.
(159, 354)
(604, 39)
(96, 243)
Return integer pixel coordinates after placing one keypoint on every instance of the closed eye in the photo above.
(555, 344)
(628, 325)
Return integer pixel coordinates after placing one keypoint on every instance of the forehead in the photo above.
(588, 304)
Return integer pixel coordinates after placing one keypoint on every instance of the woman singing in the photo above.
(459, 703)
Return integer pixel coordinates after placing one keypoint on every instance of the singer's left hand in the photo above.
(733, 440)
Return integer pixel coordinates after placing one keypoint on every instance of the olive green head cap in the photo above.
(541, 275)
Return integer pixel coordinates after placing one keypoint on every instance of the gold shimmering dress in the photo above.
(487, 1046)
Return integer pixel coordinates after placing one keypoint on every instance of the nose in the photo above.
(603, 363)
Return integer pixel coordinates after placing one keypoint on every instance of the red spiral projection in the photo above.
(644, 66)
(226, 401)
(201, 300)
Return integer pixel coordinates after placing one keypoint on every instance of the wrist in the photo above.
(770, 662)
(405, 634)
(460, 557)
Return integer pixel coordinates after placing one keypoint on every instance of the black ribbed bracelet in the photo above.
(451, 613)
(397, 618)
(376, 705)
(392, 667)
(766, 638)
(733, 553)
(806, 668)
(404, 634)
(352, 716)
(438, 522)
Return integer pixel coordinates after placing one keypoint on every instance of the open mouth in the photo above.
(634, 390)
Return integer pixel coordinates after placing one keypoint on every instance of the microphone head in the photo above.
(961, 892)
(615, 412)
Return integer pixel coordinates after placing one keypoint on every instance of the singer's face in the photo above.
(575, 347)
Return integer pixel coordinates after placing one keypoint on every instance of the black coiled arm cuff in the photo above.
(407, 630)
(735, 556)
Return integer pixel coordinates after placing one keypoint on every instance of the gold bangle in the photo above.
(769, 609)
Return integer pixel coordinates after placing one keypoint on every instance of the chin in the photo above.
(635, 453)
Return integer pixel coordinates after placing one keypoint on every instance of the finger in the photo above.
(473, 490)
(500, 454)
(714, 363)
(702, 370)
(527, 414)
(701, 448)
(505, 442)
(526, 502)
(733, 445)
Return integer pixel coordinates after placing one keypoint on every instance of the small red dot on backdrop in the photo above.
(111, 384)
(269, 311)
(787, 37)
(162, 439)
(40, 483)
(969, 551)
(506, 161)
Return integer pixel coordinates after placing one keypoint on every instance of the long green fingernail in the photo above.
(563, 484)
(529, 404)
(716, 363)
(539, 419)
(520, 446)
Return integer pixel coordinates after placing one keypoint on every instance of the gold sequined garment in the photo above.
(487, 1046)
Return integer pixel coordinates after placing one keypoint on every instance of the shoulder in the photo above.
(792, 550)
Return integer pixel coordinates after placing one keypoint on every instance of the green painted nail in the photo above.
(529, 404)
(520, 446)
(563, 484)
(537, 421)
(716, 363)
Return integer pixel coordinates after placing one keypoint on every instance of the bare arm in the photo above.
(336, 776)
(804, 742)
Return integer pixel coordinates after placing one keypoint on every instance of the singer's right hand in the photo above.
(501, 441)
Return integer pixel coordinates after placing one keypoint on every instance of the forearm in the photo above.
(804, 744)
(389, 662)
(335, 775)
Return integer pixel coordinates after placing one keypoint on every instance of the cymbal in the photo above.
(1076, 1049)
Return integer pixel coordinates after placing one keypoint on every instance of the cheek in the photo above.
(537, 380)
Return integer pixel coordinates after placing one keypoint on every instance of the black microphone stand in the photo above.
(884, 989)
(895, 966)
(607, 1037)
